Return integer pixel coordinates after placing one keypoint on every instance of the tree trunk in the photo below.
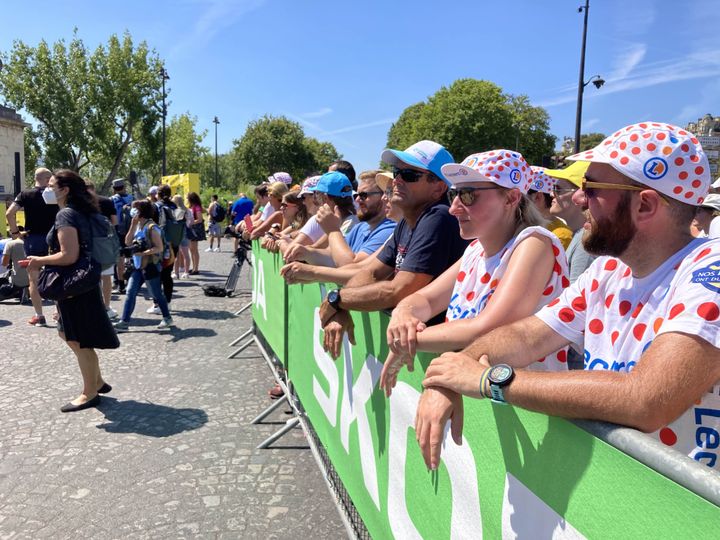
(118, 158)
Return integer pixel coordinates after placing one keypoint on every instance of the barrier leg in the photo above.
(259, 418)
(246, 334)
(241, 348)
(290, 424)
(238, 312)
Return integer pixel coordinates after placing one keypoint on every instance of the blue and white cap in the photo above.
(426, 155)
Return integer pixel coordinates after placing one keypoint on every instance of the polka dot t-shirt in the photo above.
(479, 277)
(615, 317)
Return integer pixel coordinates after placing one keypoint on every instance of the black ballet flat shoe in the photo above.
(105, 389)
(69, 407)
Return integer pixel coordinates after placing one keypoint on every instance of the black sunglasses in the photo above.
(363, 195)
(408, 175)
(467, 194)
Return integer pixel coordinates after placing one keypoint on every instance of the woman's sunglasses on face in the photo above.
(467, 194)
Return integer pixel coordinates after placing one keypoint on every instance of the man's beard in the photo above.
(367, 215)
(611, 236)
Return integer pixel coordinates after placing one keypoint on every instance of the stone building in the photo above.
(12, 153)
(707, 130)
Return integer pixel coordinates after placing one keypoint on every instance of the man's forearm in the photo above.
(371, 297)
(518, 344)
(592, 395)
(339, 249)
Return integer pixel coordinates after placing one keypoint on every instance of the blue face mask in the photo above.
(134, 212)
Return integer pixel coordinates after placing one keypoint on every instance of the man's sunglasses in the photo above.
(467, 194)
(408, 175)
(363, 195)
(590, 189)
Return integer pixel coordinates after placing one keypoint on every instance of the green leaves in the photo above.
(90, 109)
(473, 116)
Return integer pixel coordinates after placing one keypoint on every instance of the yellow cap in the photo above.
(574, 174)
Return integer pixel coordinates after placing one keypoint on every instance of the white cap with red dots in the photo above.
(506, 168)
(541, 181)
(661, 156)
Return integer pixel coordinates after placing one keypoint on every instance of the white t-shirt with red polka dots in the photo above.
(479, 276)
(615, 318)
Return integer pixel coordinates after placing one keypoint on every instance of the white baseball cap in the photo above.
(506, 168)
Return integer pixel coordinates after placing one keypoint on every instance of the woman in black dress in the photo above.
(83, 324)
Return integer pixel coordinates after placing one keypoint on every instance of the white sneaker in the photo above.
(185, 275)
(153, 309)
(174, 275)
(166, 323)
(208, 250)
(216, 250)
(112, 314)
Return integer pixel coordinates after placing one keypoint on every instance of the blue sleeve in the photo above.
(388, 254)
(377, 239)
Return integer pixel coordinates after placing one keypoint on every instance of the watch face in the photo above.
(332, 296)
(500, 373)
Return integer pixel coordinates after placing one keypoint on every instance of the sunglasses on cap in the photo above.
(590, 188)
(363, 195)
(408, 175)
(467, 194)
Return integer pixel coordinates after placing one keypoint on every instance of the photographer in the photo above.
(145, 246)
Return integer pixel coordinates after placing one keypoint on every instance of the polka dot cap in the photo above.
(541, 181)
(664, 157)
(503, 167)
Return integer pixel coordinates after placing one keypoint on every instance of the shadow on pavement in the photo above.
(196, 313)
(3, 322)
(148, 418)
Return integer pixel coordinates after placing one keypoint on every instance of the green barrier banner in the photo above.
(269, 300)
(516, 474)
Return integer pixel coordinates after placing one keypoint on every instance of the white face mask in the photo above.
(48, 196)
(134, 212)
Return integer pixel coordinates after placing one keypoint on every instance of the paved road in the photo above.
(170, 452)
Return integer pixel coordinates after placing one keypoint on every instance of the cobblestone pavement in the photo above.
(170, 452)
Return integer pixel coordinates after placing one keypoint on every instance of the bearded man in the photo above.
(646, 312)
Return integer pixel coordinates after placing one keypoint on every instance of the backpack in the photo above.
(220, 213)
(172, 227)
(167, 258)
(122, 210)
(105, 246)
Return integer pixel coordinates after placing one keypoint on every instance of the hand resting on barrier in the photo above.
(335, 328)
(437, 406)
(296, 272)
(393, 364)
(402, 332)
(441, 401)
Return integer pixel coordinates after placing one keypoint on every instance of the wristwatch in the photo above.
(333, 298)
(499, 377)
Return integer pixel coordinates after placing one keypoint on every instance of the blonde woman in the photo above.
(513, 266)
(182, 259)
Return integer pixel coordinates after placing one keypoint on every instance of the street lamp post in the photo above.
(216, 122)
(596, 80)
(165, 77)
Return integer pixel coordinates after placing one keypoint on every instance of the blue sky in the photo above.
(346, 70)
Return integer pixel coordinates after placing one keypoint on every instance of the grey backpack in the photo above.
(105, 243)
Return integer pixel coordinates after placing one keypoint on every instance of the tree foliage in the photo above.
(473, 116)
(90, 108)
(591, 140)
(271, 144)
(183, 145)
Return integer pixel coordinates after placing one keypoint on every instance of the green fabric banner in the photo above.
(269, 300)
(516, 474)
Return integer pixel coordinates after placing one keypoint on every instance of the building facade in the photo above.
(707, 130)
(12, 152)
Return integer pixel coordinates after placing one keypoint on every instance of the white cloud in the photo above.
(216, 16)
(317, 114)
(356, 127)
(626, 62)
(590, 122)
(696, 65)
(706, 101)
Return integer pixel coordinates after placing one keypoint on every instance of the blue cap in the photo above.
(426, 155)
(335, 184)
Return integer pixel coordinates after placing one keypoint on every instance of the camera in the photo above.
(137, 246)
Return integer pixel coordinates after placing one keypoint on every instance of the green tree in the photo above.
(32, 154)
(473, 116)
(273, 144)
(591, 140)
(183, 145)
(89, 108)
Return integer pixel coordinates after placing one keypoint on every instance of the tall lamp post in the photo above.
(596, 80)
(165, 77)
(216, 122)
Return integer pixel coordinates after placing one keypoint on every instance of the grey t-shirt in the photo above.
(578, 259)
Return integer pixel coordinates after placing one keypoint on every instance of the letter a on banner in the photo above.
(258, 291)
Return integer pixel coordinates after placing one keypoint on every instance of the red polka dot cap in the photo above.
(664, 157)
(541, 181)
(503, 167)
